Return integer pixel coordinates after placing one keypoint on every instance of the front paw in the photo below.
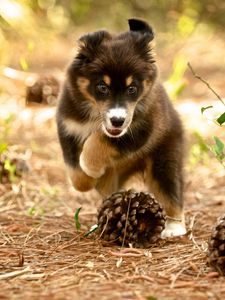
(173, 228)
(80, 180)
(90, 167)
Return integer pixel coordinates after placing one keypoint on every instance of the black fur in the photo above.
(141, 27)
(155, 132)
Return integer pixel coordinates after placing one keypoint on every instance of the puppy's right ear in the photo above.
(90, 43)
(141, 27)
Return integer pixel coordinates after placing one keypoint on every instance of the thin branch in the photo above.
(125, 229)
(205, 82)
(15, 273)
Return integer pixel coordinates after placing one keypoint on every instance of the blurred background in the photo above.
(37, 41)
(39, 35)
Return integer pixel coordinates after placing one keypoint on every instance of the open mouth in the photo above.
(113, 132)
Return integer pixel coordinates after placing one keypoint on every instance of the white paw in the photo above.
(92, 173)
(173, 228)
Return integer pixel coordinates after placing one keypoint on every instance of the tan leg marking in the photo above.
(81, 181)
(97, 155)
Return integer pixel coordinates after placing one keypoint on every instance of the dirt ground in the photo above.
(43, 256)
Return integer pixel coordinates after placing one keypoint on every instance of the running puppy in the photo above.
(115, 120)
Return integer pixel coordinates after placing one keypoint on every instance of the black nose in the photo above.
(117, 121)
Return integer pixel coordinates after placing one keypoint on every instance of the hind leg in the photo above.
(164, 180)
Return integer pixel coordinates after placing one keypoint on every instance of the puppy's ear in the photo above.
(142, 34)
(143, 28)
(90, 43)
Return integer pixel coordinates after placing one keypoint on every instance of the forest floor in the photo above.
(44, 256)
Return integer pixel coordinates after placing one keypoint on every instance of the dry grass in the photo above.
(43, 256)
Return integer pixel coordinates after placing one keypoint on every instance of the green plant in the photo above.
(78, 224)
(199, 151)
(176, 83)
(218, 150)
(8, 168)
(11, 168)
(218, 117)
(76, 218)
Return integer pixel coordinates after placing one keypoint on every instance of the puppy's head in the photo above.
(113, 74)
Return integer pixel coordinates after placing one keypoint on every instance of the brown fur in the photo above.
(112, 72)
(83, 83)
(81, 181)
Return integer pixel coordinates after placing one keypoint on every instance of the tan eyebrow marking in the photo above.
(83, 83)
(129, 80)
(107, 79)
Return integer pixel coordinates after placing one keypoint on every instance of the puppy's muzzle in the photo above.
(115, 122)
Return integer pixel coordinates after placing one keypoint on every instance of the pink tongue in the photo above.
(114, 131)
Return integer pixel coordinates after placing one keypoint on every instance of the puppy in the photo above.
(115, 121)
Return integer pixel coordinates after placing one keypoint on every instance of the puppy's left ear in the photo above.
(90, 43)
(142, 27)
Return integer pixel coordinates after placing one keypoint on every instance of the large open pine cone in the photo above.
(217, 247)
(130, 217)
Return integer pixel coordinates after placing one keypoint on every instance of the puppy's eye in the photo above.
(102, 89)
(132, 90)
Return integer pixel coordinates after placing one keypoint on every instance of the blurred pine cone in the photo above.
(130, 217)
(217, 247)
(44, 90)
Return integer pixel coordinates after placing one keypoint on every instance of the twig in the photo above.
(103, 230)
(126, 252)
(125, 229)
(120, 254)
(191, 229)
(33, 276)
(15, 273)
(175, 277)
(17, 74)
(184, 284)
(137, 277)
(205, 82)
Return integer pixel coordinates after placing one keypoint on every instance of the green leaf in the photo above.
(76, 218)
(221, 119)
(205, 108)
(24, 64)
(10, 118)
(152, 298)
(218, 148)
(11, 168)
(31, 211)
(3, 147)
(92, 229)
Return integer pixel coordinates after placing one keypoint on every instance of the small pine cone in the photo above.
(217, 247)
(44, 90)
(130, 217)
